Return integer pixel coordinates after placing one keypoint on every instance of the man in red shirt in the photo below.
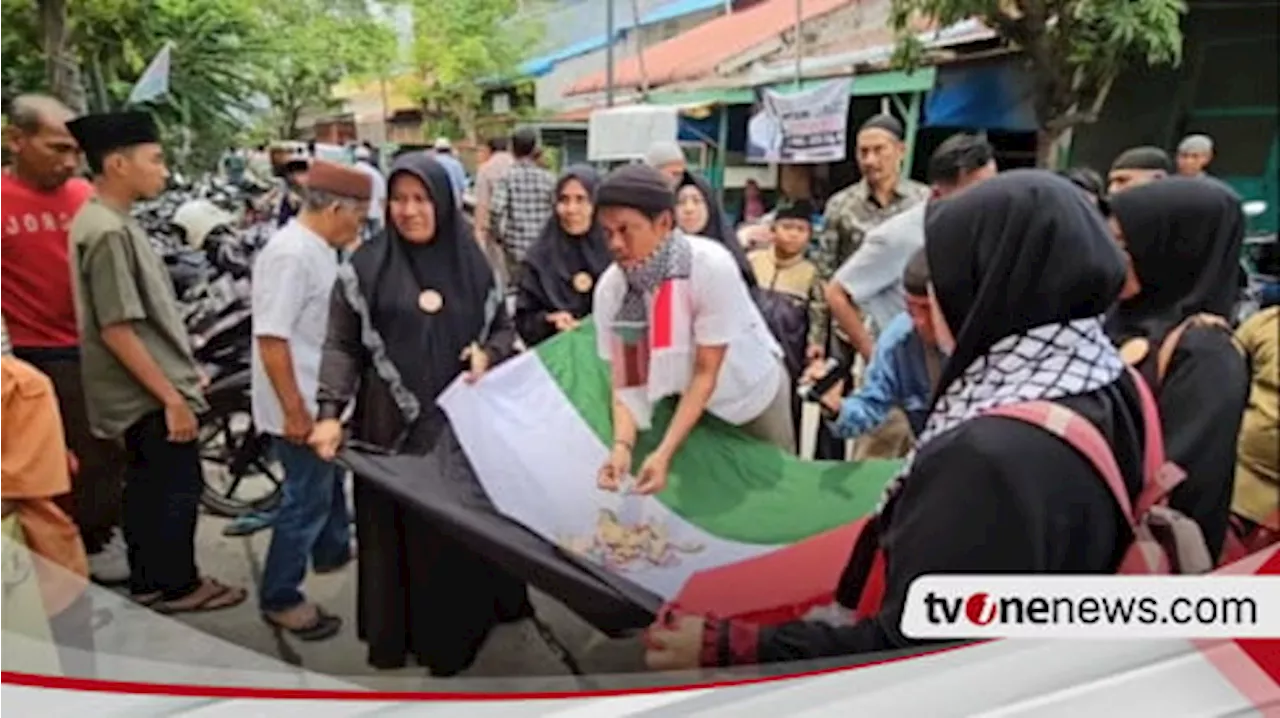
(40, 197)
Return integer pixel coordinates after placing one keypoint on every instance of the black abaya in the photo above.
(561, 270)
(421, 593)
(1184, 237)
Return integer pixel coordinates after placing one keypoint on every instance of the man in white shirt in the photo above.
(674, 317)
(290, 320)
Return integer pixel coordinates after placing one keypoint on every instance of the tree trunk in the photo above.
(1052, 148)
(61, 69)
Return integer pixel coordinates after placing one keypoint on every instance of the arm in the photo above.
(915, 546)
(819, 316)
(531, 313)
(1202, 402)
(497, 226)
(343, 358)
(624, 425)
(110, 267)
(501, 344)
(277, 304)
(849, 319)
(484, 190)
(869, 406)
(693, 402)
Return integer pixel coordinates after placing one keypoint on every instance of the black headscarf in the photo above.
(1185, 237)
(1019, 251)
(393, 273)
(557, 257)
(718, 227)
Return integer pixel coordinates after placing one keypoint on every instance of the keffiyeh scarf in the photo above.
(651, 342)
(1046, 363)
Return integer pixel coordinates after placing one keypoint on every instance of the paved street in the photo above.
(511, 651)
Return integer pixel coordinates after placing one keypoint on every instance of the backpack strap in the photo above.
(1164, 358)
(1083, 436)
(1160, 476)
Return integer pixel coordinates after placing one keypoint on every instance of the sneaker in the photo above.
(110, 566)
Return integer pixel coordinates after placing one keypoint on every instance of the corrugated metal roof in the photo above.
(698, 51)
(541, 65)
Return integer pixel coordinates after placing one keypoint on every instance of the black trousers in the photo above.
(96, 491)
(161, 502)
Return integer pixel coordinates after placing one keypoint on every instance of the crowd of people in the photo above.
(968, 299)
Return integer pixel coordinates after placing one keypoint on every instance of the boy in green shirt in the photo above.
(141, 383)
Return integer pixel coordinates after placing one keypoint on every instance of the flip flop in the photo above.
(248, 525)
(223, 597)
(324, 626)
(146, 600)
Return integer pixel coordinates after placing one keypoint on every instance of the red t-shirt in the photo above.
(35, 272)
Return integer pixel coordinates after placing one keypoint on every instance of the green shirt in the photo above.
(120, 278)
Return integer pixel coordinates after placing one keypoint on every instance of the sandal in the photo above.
(146, 600)
(221, 597)
(323, 626)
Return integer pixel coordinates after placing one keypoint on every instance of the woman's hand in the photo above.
(615, 467)
(653, 473)
(562, 321)
(814, 353)
(675, 647)
(479, 360)
(326, 438)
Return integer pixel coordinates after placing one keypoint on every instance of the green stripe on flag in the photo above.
(726, 483)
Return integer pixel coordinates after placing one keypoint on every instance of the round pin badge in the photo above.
(1134, 351)
(430, 301)
(582, 282)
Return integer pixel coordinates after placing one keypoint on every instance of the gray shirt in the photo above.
(120, 279)
(294, 277)
(873, 274)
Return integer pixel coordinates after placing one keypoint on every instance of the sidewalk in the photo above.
(515, 650)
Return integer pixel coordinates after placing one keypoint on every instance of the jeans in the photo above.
(311, 522)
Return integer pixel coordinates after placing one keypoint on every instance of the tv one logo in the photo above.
(980, 608)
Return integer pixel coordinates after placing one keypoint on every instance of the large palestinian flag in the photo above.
(758, 527)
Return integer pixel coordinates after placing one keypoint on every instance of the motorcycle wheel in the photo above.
(240, 476)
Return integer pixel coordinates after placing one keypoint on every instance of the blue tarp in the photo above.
(543, 64)
(984, 97)
(678, 9)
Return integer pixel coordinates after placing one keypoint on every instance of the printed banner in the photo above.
(806, 127)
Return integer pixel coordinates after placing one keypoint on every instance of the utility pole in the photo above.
(608, 71)
(799, 39)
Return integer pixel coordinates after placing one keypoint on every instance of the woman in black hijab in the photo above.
(561, 269)
(1022, 270)
(1183, 238)
(698, 213)
(408, 315)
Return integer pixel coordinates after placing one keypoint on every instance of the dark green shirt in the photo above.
(120, 278)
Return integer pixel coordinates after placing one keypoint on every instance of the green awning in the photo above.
(880, 83)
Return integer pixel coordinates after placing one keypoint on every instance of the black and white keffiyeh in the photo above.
(1043, 364)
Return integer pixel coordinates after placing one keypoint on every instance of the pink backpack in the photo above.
(1164, 540)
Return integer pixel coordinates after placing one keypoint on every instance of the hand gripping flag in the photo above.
(742, 529)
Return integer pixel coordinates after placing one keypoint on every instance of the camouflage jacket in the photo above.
(850, 214)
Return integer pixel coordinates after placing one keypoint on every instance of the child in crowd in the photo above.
(790, 295)
(36, 472)
(902, 373)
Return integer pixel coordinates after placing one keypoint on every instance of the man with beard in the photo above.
(41, 195)
(883, 192)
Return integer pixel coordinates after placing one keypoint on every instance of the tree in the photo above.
(315, 44)
(1075, 49)
(460, 46)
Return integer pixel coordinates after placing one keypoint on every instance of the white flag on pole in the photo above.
(155, 79)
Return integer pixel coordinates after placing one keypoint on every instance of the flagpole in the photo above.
(608, 61)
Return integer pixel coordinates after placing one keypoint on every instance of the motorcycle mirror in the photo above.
(1254, 208)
